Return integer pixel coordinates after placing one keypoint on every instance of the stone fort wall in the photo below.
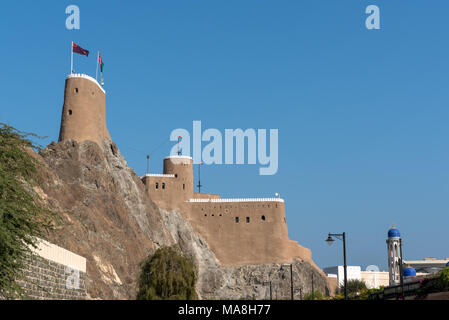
(54, 273)
(239, 231)
(245, 231)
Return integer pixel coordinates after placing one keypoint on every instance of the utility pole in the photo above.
(401, 273)
(345, 266)
(291, 280)
(271, 291)
(148, 163)
(313, 285)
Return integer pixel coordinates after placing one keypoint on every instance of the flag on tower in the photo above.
(77, 49)
(100, 61)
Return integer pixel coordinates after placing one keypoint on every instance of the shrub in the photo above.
(443, 280)
(355, 287)
(23, 217)
(439, 283)
(316, 295)
(167, 275)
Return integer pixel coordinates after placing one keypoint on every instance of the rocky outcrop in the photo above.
(253, 281)
(107, 217)
(105, 214)
(242, 282)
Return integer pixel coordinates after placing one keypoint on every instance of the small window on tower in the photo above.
(183, 186)
(157, 185)
(236, 219)
(76, 90)
(263, 218)
(247, 219)
(70, 112)
(163, 185)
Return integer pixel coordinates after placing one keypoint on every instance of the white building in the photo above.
(372, 279)
(375, 279)
(353, 272)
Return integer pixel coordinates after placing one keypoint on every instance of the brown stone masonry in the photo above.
(84, 110)
(45, 279)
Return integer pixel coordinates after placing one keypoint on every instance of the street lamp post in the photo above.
(330, 240)
(270, 282)
(291, 280)
(401, 269)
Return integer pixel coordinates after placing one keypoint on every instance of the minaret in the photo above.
(84, 111)
(394, 255)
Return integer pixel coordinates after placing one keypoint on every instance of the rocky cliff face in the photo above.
(107, 217)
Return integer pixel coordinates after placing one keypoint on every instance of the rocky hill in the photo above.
(107, 217)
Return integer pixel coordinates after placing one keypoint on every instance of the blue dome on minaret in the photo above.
(409, 272)
(394, 233)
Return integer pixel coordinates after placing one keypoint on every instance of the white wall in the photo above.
(376, 279)
(60, 255)
(353, 273)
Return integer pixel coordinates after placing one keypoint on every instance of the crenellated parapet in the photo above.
(238, 230)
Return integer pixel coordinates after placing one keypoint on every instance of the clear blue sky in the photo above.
(362, 115)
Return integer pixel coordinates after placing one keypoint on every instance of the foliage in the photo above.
(315, 295)
(357, 290)
(440, 283)
(443, 280)
(355, 286)
(23, 217)
(167, 274)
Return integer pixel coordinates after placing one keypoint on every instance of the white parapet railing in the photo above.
(59, 255)
(238, 200)
(85, 76)
(178, 157)
(159, 175)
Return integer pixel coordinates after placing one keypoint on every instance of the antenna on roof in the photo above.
(148, 164)
(179, 141)
(199, 177)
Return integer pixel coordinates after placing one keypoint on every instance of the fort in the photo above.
(239, 231)
(212, 153)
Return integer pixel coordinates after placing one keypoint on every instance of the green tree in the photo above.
(355, 287)
(436, 283)
(167, 275)
(443, 279)
(23, 216)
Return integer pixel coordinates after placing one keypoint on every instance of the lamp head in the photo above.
(330, 240)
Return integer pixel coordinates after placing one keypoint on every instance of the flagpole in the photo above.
(71, 59)
(96, 72)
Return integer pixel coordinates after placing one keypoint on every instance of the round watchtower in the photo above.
(182, 168)
(84, 110)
